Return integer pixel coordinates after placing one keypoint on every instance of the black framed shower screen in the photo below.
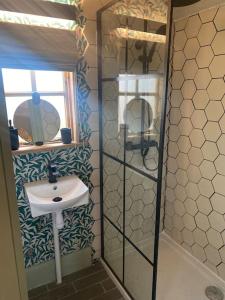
(122, 249)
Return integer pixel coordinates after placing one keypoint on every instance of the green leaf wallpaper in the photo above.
(37, 234)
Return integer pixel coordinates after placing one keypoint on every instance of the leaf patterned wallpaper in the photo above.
(37, 234)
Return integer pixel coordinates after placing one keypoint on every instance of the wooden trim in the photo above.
(71, 104)
(40, 8)
(13, 286)
(45, 147)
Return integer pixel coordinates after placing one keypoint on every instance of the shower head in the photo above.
(181, 3)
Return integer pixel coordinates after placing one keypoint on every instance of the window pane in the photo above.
(12, 103)
(16, 80)
(59, 103)
(49, 81)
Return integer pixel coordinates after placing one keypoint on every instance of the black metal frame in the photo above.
(157, 180)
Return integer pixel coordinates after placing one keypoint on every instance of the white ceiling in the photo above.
(181, 12)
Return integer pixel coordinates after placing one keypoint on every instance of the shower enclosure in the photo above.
(133, 48)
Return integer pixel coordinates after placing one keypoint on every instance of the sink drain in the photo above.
(57, 199)
(214, 293)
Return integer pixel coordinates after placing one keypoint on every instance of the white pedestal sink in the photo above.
(45, 198)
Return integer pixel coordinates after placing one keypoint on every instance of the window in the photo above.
(53, 86)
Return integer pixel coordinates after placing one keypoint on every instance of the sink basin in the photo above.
(45, 197)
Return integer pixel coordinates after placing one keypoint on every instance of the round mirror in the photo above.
(37, 121)
(139, 116)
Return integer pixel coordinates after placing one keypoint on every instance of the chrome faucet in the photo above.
(52, 173)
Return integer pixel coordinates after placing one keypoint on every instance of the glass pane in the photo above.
(140, 207)
(49, 81)
(16, 80)
(113, 248)
(59, 103)
(138, 274)
(113, 124)
(12, 103)
(113, 191)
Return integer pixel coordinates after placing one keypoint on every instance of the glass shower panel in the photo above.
(113, 191)
(113, 132)
(113, 248)
(138, 274)
(140, 206)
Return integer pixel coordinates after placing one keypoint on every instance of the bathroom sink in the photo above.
(45, 197)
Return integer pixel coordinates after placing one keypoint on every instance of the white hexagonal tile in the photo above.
(206, 34)
(136, 222)
(208, 169)
(212, 255)
(218, 44)
(180, 193)
(214, 111)
(204, 205)
(197, 138)
(178, 222)
(189, 222)
(199, 252)
(216, 89)
(185, 126)
(195, 156)
(179, 208)
(192, 190)
(193, 26)
(208, 15)
(175, 116)
(178, 60)
(202, 79)
(219, 19)
(188, 237)
(206, 187)
(194, 174)
(180, 24)
(216, 67)
(221, 144)
(214, 238)
(210, 151)
(218, 203)
(137, 207)
(174, 133)
(222, 124)
(217, 221)
(173, 149)
(219, 184)
(180, 39)
(182, 161)
(186, 108)
(220, 164)
(177, 80)
(148, 211)
(202, 221)
(190, 69)
(181, 177)
(200, 99)
(184, 144)
(198, 119)
(191, 48)
(200, 237)
(204, 57)
(176, 98)
(188, 89)
(212, 131)
(172, 165)
(190, 207)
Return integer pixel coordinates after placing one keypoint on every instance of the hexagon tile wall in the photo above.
(195, 192)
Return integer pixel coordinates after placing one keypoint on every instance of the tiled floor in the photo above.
(92, 283)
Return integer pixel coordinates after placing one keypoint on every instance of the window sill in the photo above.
(24, 149)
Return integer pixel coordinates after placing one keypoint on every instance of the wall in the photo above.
(195, 193)
(82, 225)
